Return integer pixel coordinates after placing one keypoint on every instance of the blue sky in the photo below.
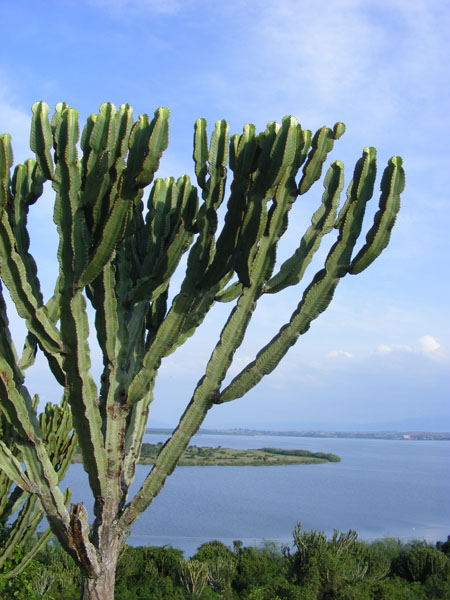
(380, 355)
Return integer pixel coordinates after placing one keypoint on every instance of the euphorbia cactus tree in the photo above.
(119, 250)
(20, 511)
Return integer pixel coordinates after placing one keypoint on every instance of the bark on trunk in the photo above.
(101, 587)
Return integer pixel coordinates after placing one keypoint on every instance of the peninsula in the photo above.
(206, 456)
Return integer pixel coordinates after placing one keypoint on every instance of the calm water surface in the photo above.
(380, 488)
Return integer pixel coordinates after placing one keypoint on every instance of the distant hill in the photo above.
(427, 424)
(380, 435)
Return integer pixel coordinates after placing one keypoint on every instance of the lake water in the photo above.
(380, 488)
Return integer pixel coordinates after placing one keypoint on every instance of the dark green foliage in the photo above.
(389, 547)
(444, 546)
(388, 589)
(329, 565)
(58, 575)
(21, 587)
(221, 566)
(319, 568)
(164, 558)
(148, 573)
(214, 550)
(193, 576)
(418, 561)
(437, 586)
(258, 567)
(325, 455)
(395, 588)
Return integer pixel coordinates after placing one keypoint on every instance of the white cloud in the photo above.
(427, 345)
(387, 349)
(339, 354)
(326, 59)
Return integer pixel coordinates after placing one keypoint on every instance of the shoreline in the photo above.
(371, 435)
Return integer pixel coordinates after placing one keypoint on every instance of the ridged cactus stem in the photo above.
(203, 398)
(167, 459)
(319, 293)
(207, 391)
(60, 443)
(120, 249)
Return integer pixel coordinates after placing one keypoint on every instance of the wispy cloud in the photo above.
(427, 346)
(339, 354)
(14, 120)
(339, 60)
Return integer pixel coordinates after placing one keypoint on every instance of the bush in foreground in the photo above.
(316, 567)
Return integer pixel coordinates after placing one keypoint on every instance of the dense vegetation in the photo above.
(314, 568)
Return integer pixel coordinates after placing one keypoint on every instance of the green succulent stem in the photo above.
(120, 249)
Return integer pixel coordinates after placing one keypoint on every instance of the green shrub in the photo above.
(396, 588)
(444, 546)
(420, 560)
(213, 550)
(56, 576)
(388, 546)
(259, 567)
(320, 568)
(331, 567)
(148, 573)
(21, 587)
(437, 587)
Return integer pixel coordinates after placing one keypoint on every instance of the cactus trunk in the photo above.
(100, 585)
(119, 251)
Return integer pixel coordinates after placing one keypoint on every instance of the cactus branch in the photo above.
(122, 251)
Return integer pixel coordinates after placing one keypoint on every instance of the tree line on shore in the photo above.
(315, 567)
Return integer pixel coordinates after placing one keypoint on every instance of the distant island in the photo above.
(229, 457)
(370, 435)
